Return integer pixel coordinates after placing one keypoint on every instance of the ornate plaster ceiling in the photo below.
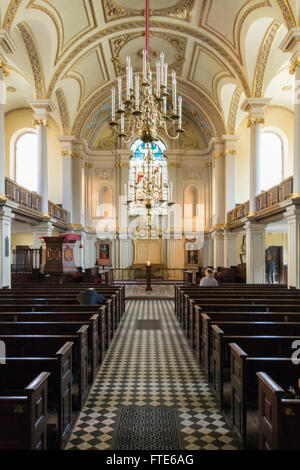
(71, 51)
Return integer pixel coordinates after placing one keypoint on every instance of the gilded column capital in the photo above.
(4, 68)
(252, 121)
(40, 122)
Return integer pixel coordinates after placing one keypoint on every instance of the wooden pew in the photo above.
(273, 358)
(60, 316)
(58, 328)
(23, 416)
(59, 363)
(38, 346)
(221, 349)
(232, 323)
(279, 417)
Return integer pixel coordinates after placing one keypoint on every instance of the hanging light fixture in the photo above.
(144, 111)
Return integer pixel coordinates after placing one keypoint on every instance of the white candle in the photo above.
(113, 104)
(148, 263)
(128, 78)
(137, 92)
(166, 75)
(162, 66)
(180, 112)
(158, 79)
(131, 78)
(122, 121)
(174, 92)
(120, 92)
(144, 65)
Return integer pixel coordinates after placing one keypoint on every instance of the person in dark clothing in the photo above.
(91, 297)
(270, 270)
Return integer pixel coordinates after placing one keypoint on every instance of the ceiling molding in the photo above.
(63, 110)
(234, 107)
(287, 13)
(34, 60)
(178, 42)
(58, 22)
(154, 25)
(11, 14)
(113, 11)
(262, 61)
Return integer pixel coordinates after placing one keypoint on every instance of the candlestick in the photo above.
(113, 104)
(158, 79)
(162, 66)
(174, 92)
(122, 121)
(120, 92)
(180, 112)
(128, 67)
(144, 65)
(137, 92)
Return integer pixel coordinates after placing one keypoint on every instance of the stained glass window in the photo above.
(158, 171)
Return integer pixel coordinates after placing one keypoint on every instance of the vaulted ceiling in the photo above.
(71, 51)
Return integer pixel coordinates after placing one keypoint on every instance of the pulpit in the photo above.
(59, 254)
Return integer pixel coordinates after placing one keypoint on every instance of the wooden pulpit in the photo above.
(59, 254)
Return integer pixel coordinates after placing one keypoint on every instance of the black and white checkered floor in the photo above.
(151, 367)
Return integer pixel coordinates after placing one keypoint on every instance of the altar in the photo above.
(148, 250)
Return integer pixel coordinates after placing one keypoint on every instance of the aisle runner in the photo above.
(151, 368)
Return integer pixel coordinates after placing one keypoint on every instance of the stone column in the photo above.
(207, 182)
(293, 220)
(255, 248)
(3, 73)
(89, 170)
(219, 199)
(207, 258)
(6, 216)
(41, 109)
(67, 163)
(230, 248)
(255, 108)
(218, 247)
(230, 142)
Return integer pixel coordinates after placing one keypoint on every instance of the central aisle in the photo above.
(150, 364)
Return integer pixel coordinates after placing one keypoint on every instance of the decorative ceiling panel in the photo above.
(116, 10)
(90, 71)
(132, 44)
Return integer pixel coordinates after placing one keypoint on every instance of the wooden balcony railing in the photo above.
(264, 201)
(238, 213)
(31, 200)
(275, 195)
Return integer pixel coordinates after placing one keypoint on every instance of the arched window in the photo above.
(272, 164)
(138, 170)
(26, 161)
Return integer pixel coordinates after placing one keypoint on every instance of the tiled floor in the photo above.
(151, 368)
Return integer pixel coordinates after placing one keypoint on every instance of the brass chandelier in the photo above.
(144, 111)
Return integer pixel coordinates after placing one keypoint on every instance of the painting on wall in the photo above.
(193, 257)
(104, 256)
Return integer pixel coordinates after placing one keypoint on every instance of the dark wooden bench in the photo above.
(38, 346)
(23, 415)
(59, 363)
(279, 417)
(273, 358)
(59, 328)
(221, 350)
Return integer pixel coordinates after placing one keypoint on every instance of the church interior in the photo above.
(149, 225)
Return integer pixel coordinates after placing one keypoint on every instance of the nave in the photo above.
(150, 364)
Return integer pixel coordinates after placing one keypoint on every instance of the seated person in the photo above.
(209, 280)
(91, 297)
